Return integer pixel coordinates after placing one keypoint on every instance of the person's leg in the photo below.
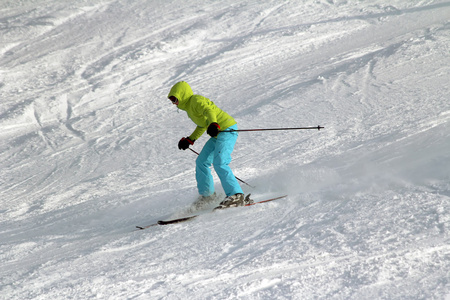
(222, 158)
(205, 182)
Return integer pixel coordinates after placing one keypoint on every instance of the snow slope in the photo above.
(88, 149)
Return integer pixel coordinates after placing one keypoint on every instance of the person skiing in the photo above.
(217, 150)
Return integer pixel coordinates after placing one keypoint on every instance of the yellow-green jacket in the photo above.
(200, 110)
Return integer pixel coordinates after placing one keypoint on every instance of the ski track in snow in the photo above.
(88, 149)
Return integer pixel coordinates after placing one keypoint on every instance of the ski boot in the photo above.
(202, 202)
(235, 201)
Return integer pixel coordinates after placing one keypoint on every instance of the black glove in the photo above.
(213, 129)
(184, 143)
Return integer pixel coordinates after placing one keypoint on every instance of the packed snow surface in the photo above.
(88, 149)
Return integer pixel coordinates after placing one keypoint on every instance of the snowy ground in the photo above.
(88, 149)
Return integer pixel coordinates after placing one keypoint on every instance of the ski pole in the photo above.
(234, 176)
(270, 129)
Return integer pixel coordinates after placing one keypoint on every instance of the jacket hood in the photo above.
(182, 91)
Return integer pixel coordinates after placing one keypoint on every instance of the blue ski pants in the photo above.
(217, 152)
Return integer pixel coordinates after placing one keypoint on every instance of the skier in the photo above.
(217, 150)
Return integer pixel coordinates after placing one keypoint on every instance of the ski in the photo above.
(174, 221)
(267, 200)
(184, 219)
